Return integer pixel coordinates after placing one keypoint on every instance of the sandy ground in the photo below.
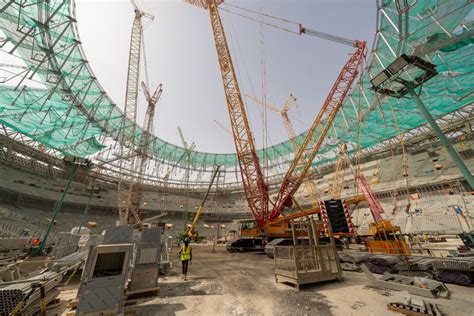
(223, 283)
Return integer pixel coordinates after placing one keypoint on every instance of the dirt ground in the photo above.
(224, 283)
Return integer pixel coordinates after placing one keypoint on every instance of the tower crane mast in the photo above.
(309, 186)
(290, 102)
(127, 131)
(135, 193)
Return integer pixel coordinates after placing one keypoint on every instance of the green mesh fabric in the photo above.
(71, 111)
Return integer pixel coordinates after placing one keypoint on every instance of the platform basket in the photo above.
(307, 261)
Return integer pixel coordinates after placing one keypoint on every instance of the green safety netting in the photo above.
(70, 111)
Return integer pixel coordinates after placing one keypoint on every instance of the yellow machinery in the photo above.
(280, 227)
(190, 231)
(383, 236)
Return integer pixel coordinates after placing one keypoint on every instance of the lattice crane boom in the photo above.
(317, 132)
(252, 176)
(128, 128)
(185, 144)
(309, 186)
(135, 193)
(335, 187)
(374, 205)
(289, 103)
(223, 127)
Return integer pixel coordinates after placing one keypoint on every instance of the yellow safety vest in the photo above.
(185, 252)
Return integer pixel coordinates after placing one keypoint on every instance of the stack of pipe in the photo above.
(459, 270)
(14, 294)
(454, 264)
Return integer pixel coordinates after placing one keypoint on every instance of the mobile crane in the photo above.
(190, 231)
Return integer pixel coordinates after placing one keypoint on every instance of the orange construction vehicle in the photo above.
(383, 236)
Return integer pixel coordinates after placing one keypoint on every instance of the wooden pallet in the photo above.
(412, 310)
(72, 303)
(71, 307)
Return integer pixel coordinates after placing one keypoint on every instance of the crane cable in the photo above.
(264, 92)
(240, 74)
(263, 22)
(404, 157)
(260, 13)
(301, 28)
(392, 155)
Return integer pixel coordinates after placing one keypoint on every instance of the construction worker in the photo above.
(186, 256)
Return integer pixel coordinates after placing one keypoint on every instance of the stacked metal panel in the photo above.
(146, 268)
(105, 273)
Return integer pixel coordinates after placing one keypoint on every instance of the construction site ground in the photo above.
(223, 283)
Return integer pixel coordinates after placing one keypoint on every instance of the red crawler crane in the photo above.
(252, 176)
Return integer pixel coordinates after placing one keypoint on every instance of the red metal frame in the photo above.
(252, 176)
(313, 141)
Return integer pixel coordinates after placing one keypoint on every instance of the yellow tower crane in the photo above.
(309, 186)
(335, 187)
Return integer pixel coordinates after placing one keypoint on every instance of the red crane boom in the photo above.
(313, 141)
(252, 177)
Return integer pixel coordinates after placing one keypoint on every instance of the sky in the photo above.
(180, 54)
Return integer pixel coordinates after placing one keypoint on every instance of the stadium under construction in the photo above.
(144, 168)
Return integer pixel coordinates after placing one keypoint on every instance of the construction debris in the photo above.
(456, 277)
(419, 286)
(415, 310)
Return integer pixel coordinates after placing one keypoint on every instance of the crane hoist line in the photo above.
(301, 29)
(252, 177)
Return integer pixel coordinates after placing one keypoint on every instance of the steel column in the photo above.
(57, 208)
(443, 139)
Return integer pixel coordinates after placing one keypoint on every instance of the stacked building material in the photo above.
(415, 266)
(459, 270)
(456, 270)
(456, 277)
(454, 264)
(67, 261)
(382, 263)
(353, 257)
(12, 295)
(347, 266)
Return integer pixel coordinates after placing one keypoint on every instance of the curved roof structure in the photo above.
(66, 108)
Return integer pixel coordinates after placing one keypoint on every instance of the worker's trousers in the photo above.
(184, 264)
